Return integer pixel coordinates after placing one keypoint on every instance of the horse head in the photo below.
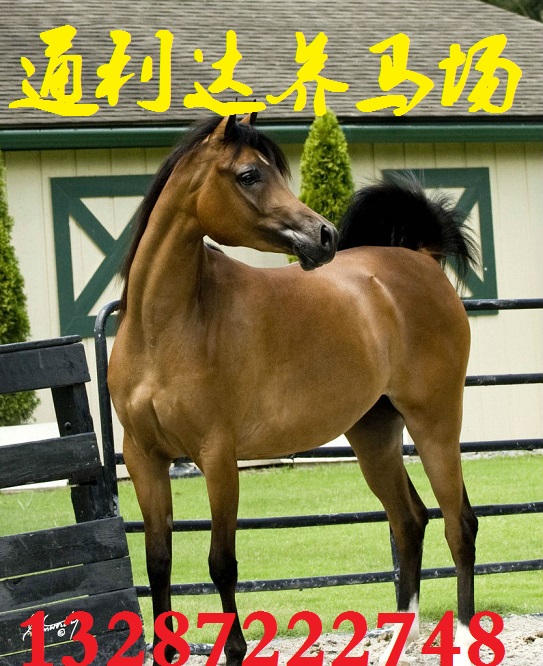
(243, 197)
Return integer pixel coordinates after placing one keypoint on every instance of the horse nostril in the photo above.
(327, 239)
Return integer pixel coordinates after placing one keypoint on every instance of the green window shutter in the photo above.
(67, 202)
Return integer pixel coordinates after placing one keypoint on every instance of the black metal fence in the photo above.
(111, 460)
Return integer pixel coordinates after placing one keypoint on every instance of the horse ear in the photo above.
(224, 128)
(230, 125)
(250, 119)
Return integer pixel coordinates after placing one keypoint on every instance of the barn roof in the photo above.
(266, 38)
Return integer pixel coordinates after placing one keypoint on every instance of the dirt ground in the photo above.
(522, 637)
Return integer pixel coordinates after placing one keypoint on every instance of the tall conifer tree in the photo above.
(327, 181)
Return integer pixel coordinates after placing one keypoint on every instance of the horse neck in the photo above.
(167, 269)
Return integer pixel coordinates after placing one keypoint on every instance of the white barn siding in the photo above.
(506, 343)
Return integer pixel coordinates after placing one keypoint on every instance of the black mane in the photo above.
(239, 135)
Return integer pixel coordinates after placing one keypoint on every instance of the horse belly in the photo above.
(289, 417)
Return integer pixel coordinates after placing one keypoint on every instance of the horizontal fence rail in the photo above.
(316, 520)
(345, 452)
(478, 304)
(112, 459)
(307, 583)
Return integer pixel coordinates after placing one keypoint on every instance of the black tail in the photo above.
(398, 212)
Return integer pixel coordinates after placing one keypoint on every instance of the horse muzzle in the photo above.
(314, 248)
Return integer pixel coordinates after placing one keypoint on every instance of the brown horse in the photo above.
(219, 361)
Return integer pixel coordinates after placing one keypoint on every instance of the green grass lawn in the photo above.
(325, 550)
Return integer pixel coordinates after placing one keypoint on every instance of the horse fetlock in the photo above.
(169, 653)
(463, 639)
(413, 635)
(235, 650)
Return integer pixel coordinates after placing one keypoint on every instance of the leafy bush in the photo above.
(15, 408)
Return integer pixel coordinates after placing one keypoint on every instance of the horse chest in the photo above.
(174, 401)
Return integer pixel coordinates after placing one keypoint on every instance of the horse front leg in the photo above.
(151, 479)
(222, 479)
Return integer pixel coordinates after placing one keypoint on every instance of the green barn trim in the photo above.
(157, 137)
(67, 201)
(67, 195)
(476, 185)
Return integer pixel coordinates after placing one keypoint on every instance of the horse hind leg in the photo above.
(377, 442)
(435, 429)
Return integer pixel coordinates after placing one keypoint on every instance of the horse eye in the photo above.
(249, 178)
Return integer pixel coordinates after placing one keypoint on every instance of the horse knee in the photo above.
(223, 570)
(159, 566)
